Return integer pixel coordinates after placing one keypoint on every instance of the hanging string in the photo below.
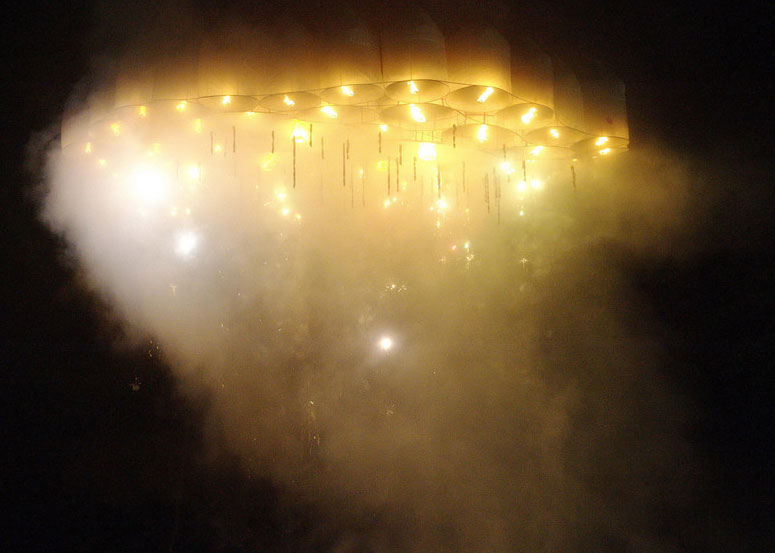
(573, 177)
(379, 141)
(524, 171)
(272, 141)
(498, 197)
(398, 176)
(310, 135)
(487, 191)
(348, 148)
(415, 169)
(454, 136)
(388, 176)
(438, 180)
(401, 154)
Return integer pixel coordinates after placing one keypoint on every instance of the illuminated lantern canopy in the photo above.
(605, 111)
(532, 84)
(482, 59)
(566, 129)
(415, 58)
(235, 65)
(297, 75)
(350, 63)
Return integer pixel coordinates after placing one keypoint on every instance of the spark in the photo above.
(385, 343)
(555, 133)
(288, 102)
(486, 94)
(300, 134)
(383, 127)
(601, 140)
(193, 172)
(605, 151)
(226, 100)
(535, 183)
(481, 134)
(413, 88)
(142, 111)
(116, 128)
(348, 91)
(537, 150)
(181, 106)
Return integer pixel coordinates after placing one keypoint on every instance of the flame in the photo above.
(288, 102)
(481, 134)
(528, 116)
(226, 100)
(555, 133)
(601, 140)
(181, 106)
(537, 150)
(348, 91)
(116, 128)
(328, 110)
(413, 88)
(142, 111)
(486, 94)
(605, 151)
(417, 113)
(383, 127)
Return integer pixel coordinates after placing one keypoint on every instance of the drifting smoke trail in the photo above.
(445, 381)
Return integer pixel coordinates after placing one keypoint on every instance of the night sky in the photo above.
(91, 465)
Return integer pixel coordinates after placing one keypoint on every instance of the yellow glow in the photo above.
(426, 151)
(300, 134)
(385, 343)
(555, 133)
(528, 116)
(521, 186)
(348, 91)
(281, 194)
(481, 134)
(601, 140)
(467, 245)
(507, 168)
(269, 161)
(486, 94)
(383, 127)
(181, 106)
(102, 162)
(537, 150)
(288, 102)
(251, 114)
(386, 203)
(226, 100)
(605, 151)
(197, 125)
(87, 148)
(535, 183)
(285, 211)
(116, 128)
(193, 172)
(217, 148)
(142, 111)
(298, 216)
(413, 88)
(155, 149)
(442, 204)
(328, 110)
(417, 113)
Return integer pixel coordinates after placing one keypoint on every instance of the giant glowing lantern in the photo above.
(362, 114)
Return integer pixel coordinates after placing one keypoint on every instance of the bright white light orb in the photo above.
(385, 343)
(149, 186)
(185, 243)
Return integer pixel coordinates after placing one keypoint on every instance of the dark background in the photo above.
(92, 466)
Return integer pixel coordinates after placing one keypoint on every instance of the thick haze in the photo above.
(521, 403)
